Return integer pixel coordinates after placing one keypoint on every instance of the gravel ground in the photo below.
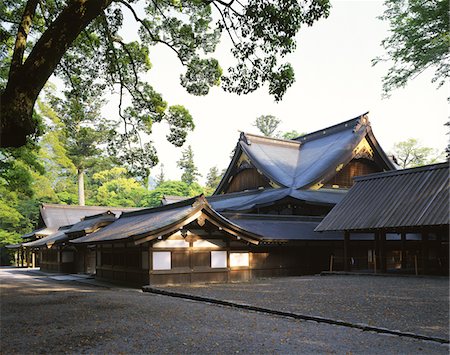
(45, 316)
(408, 304)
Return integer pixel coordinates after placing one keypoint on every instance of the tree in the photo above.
(172, 188)
(79, 42)
(117, 189)
(419, 39)
(292, 134)
(18, 206)
(82, 131)
(267, 124)
(410, 154)
(213, 178)
(161, 177)
(186, 163)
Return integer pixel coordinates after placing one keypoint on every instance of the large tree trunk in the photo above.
(81, 201)
(27, 80)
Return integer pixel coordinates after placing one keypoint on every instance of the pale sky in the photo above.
(335, 81)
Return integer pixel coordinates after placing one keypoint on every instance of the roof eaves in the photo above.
(224, 181)
(377, 147)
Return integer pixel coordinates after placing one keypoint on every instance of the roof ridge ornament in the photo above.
(363, 121)
(200, 201)
(243, 137)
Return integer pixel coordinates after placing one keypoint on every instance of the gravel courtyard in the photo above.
(410, 304)
(45, 316)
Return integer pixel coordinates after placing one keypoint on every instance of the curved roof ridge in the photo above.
(247, 137)
(335, 128)
(182, 203)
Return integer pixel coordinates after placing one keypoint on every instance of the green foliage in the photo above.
(18, 207)
(267, 124)
(419, 39)
(410, 154)
(213, 179)
(161, 177)
(173, 188)
(186, 163)
(262, 32)
(292, 134)
(117, 189)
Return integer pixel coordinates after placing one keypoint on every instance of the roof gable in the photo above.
(55, 215)
(148, 224)
(308, 160)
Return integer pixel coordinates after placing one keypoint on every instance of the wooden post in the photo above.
(331, 262)
(415, 265)
(377, 251)
(382, 251)
(346, 251)
(424, 253)
(375, 256)
(33, 259)
(403, 251)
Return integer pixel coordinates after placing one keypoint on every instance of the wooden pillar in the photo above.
(424, 252)
(376, 256)
(382, 251)
(33, 259)
(403, 250)
(347, 266)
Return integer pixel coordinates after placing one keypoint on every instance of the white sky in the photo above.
(335, 81)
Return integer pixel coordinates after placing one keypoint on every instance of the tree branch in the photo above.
(22, 34)
(152, 36)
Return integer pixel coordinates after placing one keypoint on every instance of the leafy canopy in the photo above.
(267, 125)
(419, 39)
(411, 153)
(81, 43)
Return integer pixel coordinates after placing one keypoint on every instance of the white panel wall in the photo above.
(162, 260)
(218, 259)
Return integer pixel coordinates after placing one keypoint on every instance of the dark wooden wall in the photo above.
(247, 179)
(356, 167)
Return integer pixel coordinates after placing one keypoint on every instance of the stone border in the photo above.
(361, 326)
(356, 273)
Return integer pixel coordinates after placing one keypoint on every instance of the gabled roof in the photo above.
(150, 223)
(90, 223)
(307, 160)
(391, 200)
(55, 215)
(166, 199)
(40, 232)
(58, 236)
